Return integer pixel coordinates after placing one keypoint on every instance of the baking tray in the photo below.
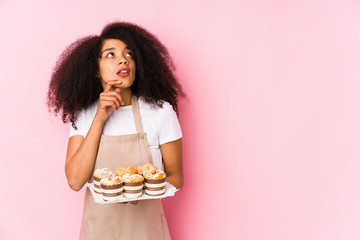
(170, 191)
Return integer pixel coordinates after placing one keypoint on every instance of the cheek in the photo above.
(133, 67)
(102, 74)
(105, 69)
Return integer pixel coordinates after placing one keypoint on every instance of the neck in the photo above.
(126, 95)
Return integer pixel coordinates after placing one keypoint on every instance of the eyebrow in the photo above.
(112, 48)
(108, 49)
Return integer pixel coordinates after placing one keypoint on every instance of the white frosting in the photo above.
(98, 190)
(113, 190)
(133, 187)
(154, 185)
(112, 198)
(131, 195)
(154, 174)
(154, 192)
(111, 181)
(104, 172)
(126, 175)
(128, 178)
(97, 172)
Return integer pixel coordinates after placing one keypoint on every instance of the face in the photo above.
(116, 63)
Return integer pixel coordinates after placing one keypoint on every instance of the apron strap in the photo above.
(136, 112)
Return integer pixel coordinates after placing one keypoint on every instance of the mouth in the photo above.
(123, 72)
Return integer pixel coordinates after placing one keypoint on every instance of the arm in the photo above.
(172, 157)
(81, 152)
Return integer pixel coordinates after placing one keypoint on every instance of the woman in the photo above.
(119, 92)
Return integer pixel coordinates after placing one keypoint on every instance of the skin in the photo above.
(81, 152)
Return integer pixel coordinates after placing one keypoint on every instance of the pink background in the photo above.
(271, 124)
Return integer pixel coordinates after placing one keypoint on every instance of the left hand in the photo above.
(132, 202)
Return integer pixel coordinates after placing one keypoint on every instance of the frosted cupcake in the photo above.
(120, 171)
(133, 185)
(154, 182)
(98, 175)
(146, 167)
(112, 188)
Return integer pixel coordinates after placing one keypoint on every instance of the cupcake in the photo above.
(98, 175)
(154, 182)
(146, 167)
(112, 188)
(133, 185)
(120, 171)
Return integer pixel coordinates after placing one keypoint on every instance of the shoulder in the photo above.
(86, 114)
(89, 111)
(163, 119)
(153, 109)
(84, 120)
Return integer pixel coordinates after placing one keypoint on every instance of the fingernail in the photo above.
(119, 81)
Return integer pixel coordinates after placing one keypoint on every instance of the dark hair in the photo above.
(75, 82)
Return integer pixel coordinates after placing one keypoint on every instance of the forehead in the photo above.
(113, 43)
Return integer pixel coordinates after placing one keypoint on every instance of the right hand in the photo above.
(109, 100)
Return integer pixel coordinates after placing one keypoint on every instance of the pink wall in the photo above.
(271, 126)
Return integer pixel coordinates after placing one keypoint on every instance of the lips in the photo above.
(123, 72)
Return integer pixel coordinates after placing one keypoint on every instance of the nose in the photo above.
(123, 61)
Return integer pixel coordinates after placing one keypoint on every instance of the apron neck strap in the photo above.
(136, 112)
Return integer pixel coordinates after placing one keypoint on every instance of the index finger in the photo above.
(110, 83)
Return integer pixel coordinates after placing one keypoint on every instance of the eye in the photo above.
(110, 54)
(129, 54)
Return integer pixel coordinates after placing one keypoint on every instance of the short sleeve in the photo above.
(169, 126)
(80, 125)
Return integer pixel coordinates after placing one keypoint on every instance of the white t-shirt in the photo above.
(160, 124)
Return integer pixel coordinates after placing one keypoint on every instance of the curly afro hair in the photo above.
(75, 82)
